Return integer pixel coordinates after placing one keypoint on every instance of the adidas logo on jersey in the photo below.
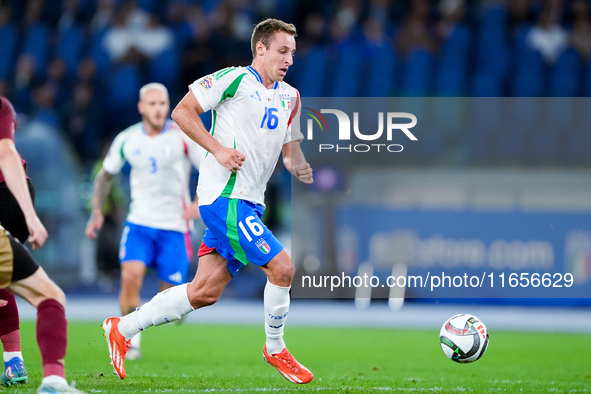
(177, 277)
(258, 97)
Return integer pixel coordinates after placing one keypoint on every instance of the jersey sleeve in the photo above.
(115, 159)
(7, 119)
(294, 132)
(213, 89)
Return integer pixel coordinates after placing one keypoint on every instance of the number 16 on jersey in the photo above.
(271, 118)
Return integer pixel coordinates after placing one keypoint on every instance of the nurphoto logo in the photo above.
(344, 132)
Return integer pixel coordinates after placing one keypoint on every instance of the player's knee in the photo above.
(282, 275)
(54, 293)
(131, 280)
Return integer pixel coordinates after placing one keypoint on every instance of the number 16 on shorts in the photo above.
(255, 228)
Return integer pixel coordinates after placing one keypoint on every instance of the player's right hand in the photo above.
(230, 158)
(37, 232)
(94, 224)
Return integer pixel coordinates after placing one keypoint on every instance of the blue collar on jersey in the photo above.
(164, 129)
(258, 76)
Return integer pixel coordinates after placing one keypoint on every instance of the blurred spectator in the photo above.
(581, 34)
(185, 23)
(154, 38)
(56, 76)
(4, 88)
(44, 100)
(231, 47)
(86, 71)
(380, 11)
(103, 16)
(37, 36)
(71, 14)
(547, 36)
(24, 81)
(414, 34)
(82, 122)
(521, 14)
(136, 35)
(452, 16)
(197, 54)
(375, 39)
(8, 38)
(314, 33)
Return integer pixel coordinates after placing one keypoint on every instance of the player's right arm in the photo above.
(16, 181)
(112, 165)
(100, 191)
(186, 115)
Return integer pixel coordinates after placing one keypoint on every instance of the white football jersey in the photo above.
(160, 173)
(250, 118)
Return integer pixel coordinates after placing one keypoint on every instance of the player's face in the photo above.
(154, 108)
(279, 55)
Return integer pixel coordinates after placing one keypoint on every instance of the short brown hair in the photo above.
(264, 32)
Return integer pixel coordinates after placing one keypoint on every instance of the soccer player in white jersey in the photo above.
(157, 229)
(255, 119)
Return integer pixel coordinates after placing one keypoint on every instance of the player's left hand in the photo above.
(304, 173)
(191, 212)
(37, 232)
(3, 303)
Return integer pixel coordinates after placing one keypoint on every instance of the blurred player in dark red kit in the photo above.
(20, 274)
(13, 220)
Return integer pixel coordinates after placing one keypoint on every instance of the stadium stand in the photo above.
(345, 48)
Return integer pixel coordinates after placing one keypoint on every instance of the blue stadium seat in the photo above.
(37, 44)
(493, 53)
(380, 79)
(486, 84)
(529, 79)
(8, 38)
(99, 55)
(493, 57)
(166, 69)
(587, 86)
(565, 75)
(69, 48)
(148, 5)
(453, 63)
(417, 73)
(312, 72)
(122, 95)
(346, 71)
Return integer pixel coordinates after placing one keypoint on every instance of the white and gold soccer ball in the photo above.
(463, 338)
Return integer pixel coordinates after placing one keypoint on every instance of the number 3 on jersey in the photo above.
(255, 228)
(271, 118)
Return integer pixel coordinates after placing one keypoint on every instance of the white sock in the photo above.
(54, 379)
(136, 340)
(10, 355)
(167, 306)
(276, 300)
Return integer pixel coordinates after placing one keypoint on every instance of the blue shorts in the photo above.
(167, 252)
(235, 230)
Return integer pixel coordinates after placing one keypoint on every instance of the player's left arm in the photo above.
(296, 163)
(16, 181)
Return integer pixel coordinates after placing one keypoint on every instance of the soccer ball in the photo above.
(463, 338)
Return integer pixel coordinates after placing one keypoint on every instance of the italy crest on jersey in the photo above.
(263, 246)
(285, 101)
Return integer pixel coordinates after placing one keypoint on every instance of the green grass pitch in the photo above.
(224, 358)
